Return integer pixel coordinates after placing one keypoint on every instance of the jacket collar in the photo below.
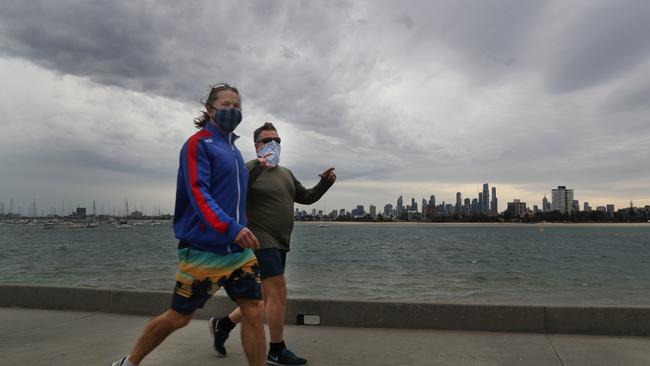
(212, 128)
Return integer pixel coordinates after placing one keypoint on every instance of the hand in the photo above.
(263, 160)
(329, 175)
(246, 239)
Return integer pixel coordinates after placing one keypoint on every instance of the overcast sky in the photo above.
(402, 97)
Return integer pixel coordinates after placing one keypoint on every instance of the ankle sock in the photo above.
(277, 347)
(225, 324)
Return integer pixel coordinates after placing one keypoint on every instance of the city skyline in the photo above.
(118, 209)
(426, 98)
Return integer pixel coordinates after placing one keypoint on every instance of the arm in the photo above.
(255, 168)
(196, 173)
(309, 196)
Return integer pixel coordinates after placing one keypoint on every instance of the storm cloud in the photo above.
(413, 98)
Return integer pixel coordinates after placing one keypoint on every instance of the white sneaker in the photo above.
(122, 362)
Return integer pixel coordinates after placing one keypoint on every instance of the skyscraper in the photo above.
(414, 205)
(459, 200)
(432, 200)
(388, 210)
(486, 197)
(400, 206)
(480, 202)
(545, 204)
(494, 206)
(373, 211)
(562, 200)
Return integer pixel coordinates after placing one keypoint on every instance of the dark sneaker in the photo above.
(219, 337)
(284, 358)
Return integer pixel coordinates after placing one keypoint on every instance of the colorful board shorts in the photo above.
(200, 274)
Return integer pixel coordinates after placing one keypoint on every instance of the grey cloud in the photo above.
(405, 20)
(607, 40)
(325, 67)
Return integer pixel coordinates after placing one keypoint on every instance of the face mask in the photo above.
(227, 119)
(273, 148)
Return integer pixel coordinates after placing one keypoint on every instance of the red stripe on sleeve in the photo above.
(205, 209)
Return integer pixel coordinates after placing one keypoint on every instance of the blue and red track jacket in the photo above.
(211, 192)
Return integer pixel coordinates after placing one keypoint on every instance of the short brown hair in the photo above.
(267, 126)
(200, 121)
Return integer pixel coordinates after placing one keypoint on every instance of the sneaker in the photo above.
(284, 358)
(120, 362)
(219, 337)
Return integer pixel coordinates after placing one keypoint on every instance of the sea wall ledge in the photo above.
(606, 320)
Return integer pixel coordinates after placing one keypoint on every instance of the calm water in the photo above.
(594, 265)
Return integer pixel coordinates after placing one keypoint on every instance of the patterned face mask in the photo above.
(227, 119)
(273, 148)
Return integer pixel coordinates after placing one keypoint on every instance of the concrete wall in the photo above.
(501, 318)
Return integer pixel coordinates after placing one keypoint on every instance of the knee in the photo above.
(177, 320)
(252, 310)
(276, 288)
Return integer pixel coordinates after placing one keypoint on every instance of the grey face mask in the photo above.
(273, 148)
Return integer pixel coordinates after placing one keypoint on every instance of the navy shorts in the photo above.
(271, 261)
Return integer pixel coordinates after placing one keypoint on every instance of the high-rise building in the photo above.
(486, 198)
(400, 206)
(373, 210)
(517, 208)
(586, 207)
(562, 200)
(424, 206)
(474, 206)
(494, 206)
(610, 210)
(388, 210)
(359, 211)
(432, 200)
(459, 200)
(467, 207)
(576, 206)
(480, 202)
(545, 204)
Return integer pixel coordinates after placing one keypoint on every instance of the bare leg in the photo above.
(275, 295)
(252, 331)
(156, 331)
(235, 316)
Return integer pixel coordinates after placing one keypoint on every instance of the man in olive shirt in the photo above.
(272, 191)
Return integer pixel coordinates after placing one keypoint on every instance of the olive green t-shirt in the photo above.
(271, 194)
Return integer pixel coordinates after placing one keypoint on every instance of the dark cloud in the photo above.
(423, 91)
(607, 40)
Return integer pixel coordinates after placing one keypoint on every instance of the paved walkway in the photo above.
(47, 337)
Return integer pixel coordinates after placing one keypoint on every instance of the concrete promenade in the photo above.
(54, 337)
(42, 325)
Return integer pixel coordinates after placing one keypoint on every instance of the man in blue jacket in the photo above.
(215, 247)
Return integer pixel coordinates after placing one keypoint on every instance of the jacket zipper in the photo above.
(237, 170)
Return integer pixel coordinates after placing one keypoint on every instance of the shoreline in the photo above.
(536, 224)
